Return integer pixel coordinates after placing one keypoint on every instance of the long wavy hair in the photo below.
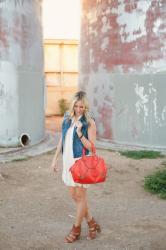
(80, 96)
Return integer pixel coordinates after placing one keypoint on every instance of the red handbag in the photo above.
(89, 169)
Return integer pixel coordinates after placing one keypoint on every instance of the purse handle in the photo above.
(93, 149)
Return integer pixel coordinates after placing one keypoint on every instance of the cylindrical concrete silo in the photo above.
(123, 69)
(21, 73)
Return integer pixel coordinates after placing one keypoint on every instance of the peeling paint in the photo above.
(101, 68)
(159, 116)
(3, 34)
(105, 28)
(163, 114)
(123, 69)
(132, 24)
(132, 32)
(2, 92)
(157, 24)
(21, 72)
(144, 102)
(141, 103)
(91, 56)
(105, 43)
(102, 102)
(19, 33)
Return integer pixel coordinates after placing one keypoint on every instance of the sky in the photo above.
(61, 19)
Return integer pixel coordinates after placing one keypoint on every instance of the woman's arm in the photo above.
(54, 166)
(91, 135)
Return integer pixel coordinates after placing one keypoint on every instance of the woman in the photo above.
(78, 130)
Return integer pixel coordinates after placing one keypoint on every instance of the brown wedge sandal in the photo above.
(93, 228)
(73, 235)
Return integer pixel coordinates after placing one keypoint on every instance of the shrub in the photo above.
(63, 106)
(156, 183)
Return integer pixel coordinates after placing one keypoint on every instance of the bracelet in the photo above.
(81, 136)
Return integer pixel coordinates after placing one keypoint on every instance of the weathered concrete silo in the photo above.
(21, 73)
(123, 69)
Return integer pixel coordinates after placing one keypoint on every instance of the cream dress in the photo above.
(68, 159)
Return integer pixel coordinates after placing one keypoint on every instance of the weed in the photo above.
(141, 154)
(156, 183)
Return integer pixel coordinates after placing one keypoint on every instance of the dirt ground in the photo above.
(36, 211)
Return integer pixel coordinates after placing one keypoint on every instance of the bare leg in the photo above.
(88, 216)
(75, 232)
(72, 191)
(74, 195)
(79, 195)
(81, 199)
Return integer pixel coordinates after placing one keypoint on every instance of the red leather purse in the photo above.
(89, 169)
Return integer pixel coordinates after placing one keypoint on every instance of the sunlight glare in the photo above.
(61, 19)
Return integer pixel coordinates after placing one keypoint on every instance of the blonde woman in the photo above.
(78, 130)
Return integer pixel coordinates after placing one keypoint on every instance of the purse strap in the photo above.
(93, 149)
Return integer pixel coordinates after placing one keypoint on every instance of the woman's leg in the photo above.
(81, 202)
(79, 195)
(72, 191)
(88, 216)
(75, 232)
(73, 194)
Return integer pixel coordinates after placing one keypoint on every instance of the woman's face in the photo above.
(79, 108)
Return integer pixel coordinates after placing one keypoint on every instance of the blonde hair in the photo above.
(80, 96)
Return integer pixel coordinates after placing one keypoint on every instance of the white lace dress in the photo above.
(68, 159)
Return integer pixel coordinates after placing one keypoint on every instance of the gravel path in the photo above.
(36, 211)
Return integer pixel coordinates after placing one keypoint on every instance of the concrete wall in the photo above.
(123, 69)
(61, 71)
(21, 72)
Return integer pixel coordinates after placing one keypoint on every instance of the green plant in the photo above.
(141, 154)
(63, 106)
(156, 183)
(21, 158)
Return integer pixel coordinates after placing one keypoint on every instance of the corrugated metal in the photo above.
(123, 69)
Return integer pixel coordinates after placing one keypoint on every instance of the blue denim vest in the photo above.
(77, 144)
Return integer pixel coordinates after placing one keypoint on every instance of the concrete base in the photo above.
(22, 153)
(122, 147)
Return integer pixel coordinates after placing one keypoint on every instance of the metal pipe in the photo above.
(24, 140)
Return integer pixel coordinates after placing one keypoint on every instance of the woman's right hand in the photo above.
(54, 166)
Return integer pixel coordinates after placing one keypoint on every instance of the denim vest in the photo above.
(77, 144)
